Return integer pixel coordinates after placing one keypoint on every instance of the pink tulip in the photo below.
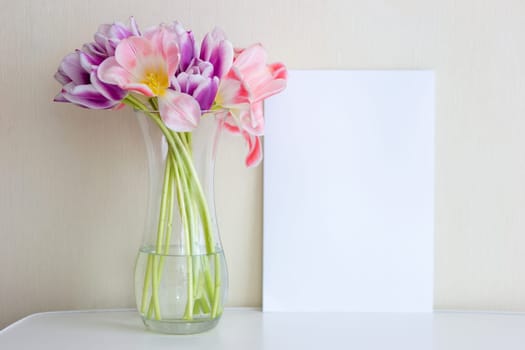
(145, 65)
(241, 94)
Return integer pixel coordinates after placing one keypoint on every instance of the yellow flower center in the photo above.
(157, 81)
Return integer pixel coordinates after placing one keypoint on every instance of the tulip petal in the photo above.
(268, 89)
(109, 91)
(218, 51)
(81, 69)
(251, 59)
(186, 43)
(86, 96)
(278, 70)
(180, 112)
(111, 72)
(230, 126)
(108, 36)
(253, 120)
(61, 77)
(254, 156)
(232, 92)
(259, 79)
(71, 67)
(163, 42)
(131, 50)
(205, 92)
(60, 98)
(134, 26)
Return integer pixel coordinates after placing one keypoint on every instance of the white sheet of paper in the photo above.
(349, 192)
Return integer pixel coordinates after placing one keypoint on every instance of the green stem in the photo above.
(175, 142)
(188, 314)
(201, 199)
(147, 276)
(162, 217)
(160, 234)
(215, 309)
(155, 289)
(189, 193)
(169, 225)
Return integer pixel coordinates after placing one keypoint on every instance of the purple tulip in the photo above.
(78, 71)
(82, 87)
(218, 51)
(109, 36)
(199, 82)
(198, 75)
(186, 44)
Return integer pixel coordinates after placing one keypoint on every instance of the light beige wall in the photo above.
(72, 180)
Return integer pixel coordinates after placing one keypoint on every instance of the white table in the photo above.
(249, 329)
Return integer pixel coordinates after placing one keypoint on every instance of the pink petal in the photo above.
(276, 81)
(234, 129)
(164, 42)
(278, 70)
(131, 50)
(268, 89)
(227, 121)
(259, 79)
(180, 112)
(232, 91)
(254, 156)
(253, 120)
(142, 89)
(119, 106)
(111, 72)
(251, 58)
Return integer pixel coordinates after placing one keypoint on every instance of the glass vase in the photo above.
(181, 279)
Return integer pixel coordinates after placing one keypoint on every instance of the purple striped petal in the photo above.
(95, 53)
(109, 91)
(119, 31)
(60, 98)
(109, 36)
(187, 83)
(202, 87)
(86, 96)
(218, 51)
(87, 63)
(186, 42)
(133, 26)
(61, 77)
(101, 38)
(201, 67)
(205, 93)
(78, 71)
(72, 68)
(189, 79)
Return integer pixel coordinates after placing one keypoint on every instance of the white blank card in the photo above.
(349, 192)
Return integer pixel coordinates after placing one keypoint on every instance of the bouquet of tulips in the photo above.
(164, 68)
(163, 72)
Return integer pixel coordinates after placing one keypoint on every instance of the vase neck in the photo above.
(181, 215)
